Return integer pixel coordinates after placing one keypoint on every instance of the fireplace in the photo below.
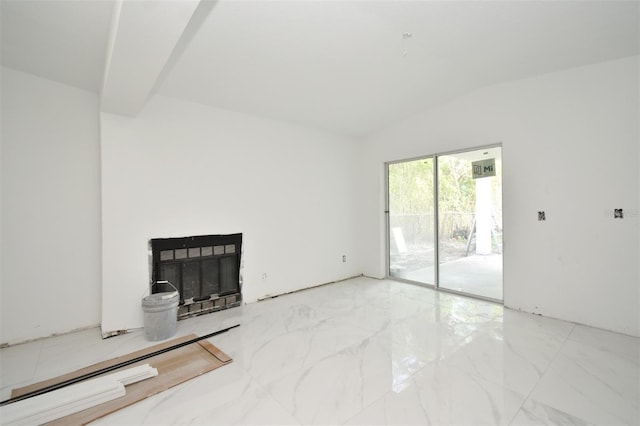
(205, 269)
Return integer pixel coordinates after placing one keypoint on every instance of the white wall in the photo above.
(50, 275)
(303, 198)
(570, 147)
(182, 169)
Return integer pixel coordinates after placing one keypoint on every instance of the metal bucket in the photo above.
(160, 313)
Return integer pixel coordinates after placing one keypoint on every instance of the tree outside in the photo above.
(411, 207)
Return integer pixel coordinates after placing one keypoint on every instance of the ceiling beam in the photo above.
(143, 37)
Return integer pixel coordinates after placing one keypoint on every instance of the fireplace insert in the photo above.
(205, 269)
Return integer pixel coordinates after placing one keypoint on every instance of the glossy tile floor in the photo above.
(370, 352)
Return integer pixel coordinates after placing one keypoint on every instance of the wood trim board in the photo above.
(73, 398)
(174, 367)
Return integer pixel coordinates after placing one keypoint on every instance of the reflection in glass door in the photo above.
(470, 222)
(411, 220)
(467, 248)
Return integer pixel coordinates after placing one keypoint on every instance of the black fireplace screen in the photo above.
(205, 269)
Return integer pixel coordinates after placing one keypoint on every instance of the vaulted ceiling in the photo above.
(348, 67)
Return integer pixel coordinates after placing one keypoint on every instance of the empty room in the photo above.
(320, 212)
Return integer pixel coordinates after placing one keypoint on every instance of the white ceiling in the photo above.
(343, 66)
(63, 41)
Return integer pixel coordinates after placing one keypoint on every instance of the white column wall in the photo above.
(570, 147)
(50, 275)
(181, 169)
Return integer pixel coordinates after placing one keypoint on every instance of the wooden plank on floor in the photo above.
(99, 366)
(174, 367)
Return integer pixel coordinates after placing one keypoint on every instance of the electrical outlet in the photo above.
(344, 258)
(264, 276)
(618, 214)
(542, 216)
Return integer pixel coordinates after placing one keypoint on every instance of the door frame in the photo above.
(436, 233)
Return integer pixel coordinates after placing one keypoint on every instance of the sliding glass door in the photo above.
(470, 222)
(411, 220)
(465, 253)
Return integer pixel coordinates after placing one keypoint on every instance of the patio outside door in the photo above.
(464, 254)
(470, 222)
(411, 221)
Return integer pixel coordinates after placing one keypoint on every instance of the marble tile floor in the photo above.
(369, 352)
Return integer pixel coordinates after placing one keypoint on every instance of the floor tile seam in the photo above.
(477, 331)
(413, 375)
(558, 351)
(601, 330)
(341, 350)
(5, 392)
(242, 368)
(266, 383)
(369, 330)
(411, 299)
(348, 310)
(305, 368)
(578, 389)
(480, 380)
(431, 362)
(535, 386)
(494, 381)
(397, 341)
(364, 408)
(268, 392)
(522, 355)
(338, 317)
(176, 392)
(16, 385)
(471, 376)
(246, 367)
(323, 316)
(310, 324)
(88, 357)
(617, 355)
(283, 320)
(251, 386)
(264, 338)
(266, 386)
(535, 401)
(486, 325)
(600, 381)
(305, 358)
(36, 367)
(594, 345)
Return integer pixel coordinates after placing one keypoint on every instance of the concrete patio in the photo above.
(474, 274)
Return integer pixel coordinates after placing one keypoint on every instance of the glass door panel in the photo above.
(411, 220)
(470, 222)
